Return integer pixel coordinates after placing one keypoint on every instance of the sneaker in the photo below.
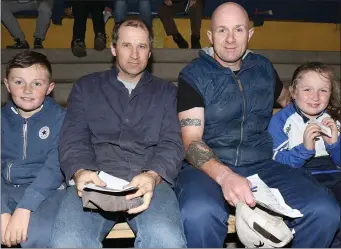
(180, 41)
(38, 43)
(195, 41)
(100, 41)
(19, 44)
(78, 48)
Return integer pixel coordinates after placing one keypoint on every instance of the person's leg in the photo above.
(145, 11)
(333, 182)
(96, 11)
(11, 23)
(160, 225)
(43, 21)
(166, 14)
(76, 227)
(42, 221)
(120, 10)
(300, 191)
(80, 11)
(195, 15)
(204, 210)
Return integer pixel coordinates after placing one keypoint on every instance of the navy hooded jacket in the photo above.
(29, 152)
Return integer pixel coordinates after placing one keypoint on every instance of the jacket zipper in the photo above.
(25, 139)
(9, 172)
(243, 118)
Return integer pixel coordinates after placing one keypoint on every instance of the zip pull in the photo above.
(25, 138)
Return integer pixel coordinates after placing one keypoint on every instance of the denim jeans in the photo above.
(121, 8)
(205, 212)
(41, 221)
(44, 8)
(158, 226)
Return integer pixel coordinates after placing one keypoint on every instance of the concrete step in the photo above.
(170, 55)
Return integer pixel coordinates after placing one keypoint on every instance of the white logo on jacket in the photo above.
(44, 132)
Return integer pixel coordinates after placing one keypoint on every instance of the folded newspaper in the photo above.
(271, 198)
(114, 184)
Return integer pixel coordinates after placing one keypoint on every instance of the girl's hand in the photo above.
(309, 137)
(329, 122)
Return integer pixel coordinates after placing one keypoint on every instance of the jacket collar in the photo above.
(11, 110)
(207, 55)
(145, 79)
(304, 117)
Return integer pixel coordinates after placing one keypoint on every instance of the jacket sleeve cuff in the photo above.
(4, 208)
(31, 200)
(305, 153)
(74, 168)
(161, 173)
(330, 147)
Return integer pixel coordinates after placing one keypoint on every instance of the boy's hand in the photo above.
(83, 176)
(5, 218)
(145, 182)
(16, 231)
(329, 122)
(309, 137)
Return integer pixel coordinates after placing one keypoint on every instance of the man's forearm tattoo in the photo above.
(198, 153)
(190, 122)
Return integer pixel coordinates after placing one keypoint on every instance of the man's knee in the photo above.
(324, 210)
(45, 8)
(161, 235)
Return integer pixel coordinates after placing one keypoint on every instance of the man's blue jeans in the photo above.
(205, 212)
(121, 8)
(158, 226)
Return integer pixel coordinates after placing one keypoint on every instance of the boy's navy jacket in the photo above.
(29, 152)
(107, 129)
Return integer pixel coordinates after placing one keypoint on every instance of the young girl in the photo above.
(298, 141)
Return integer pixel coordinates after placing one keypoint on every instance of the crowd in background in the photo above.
(81, 10)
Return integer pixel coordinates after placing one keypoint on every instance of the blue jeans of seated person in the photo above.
(121, 9)
(158, 226)
(205, 212)
(41, 221)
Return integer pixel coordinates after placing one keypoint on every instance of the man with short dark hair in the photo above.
(225, 103)
(123, 122)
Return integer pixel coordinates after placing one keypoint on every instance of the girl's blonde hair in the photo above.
(327, 72)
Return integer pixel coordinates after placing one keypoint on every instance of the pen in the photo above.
(254, 189)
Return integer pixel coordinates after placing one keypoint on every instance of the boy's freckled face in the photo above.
(28, 88)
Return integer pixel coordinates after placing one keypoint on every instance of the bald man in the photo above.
(225, 103)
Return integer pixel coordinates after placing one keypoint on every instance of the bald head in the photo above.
(229, 11)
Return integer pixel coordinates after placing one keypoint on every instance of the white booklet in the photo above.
(324, 129)
(271, 198)
(114, 184)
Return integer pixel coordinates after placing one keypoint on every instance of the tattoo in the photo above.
(190, 122)
(198, 153)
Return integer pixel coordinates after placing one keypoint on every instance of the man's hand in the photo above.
(192, 2)
(5, 218)
(236, 188)
(312, 131)
(83, 176)
(16, 231)
(168, 2)
(329, 122)
(145, 183)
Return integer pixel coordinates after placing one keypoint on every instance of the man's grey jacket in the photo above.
(107, 129)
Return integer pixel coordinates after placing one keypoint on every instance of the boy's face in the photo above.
(28, 88)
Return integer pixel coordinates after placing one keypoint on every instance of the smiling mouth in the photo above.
(27, 98)
(313, 105)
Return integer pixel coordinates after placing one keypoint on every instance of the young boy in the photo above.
(31, 183)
